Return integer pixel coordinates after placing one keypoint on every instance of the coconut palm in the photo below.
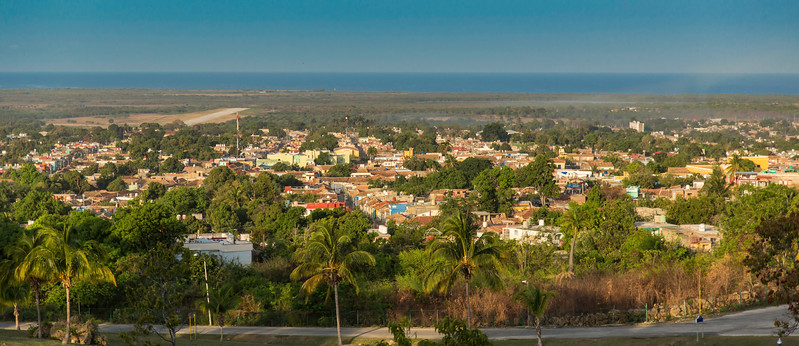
(572, 221)
(535, 300)
(330, 257)
(68, 259)
(220, 301)
(35, 274)
(12, 291)
(735, 164)
(461, 254)
(716, 184)
(595, 171)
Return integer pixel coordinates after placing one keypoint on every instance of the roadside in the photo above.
(757, 322)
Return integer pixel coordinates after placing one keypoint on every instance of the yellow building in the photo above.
(761, 161)
(348, 151)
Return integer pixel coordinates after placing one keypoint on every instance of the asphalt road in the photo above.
(758, 322)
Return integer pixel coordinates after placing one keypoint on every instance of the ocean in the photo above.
(538, 83)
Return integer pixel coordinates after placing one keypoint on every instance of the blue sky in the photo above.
(663, 36)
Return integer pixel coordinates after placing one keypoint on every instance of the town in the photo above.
(233, 210)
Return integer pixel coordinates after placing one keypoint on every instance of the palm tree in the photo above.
(595, 171)
(67, 258)
(461, 255)
(329, 256)
(735, 164)
(35, 274)
(450, 161)
(12, 291)
(716, 184)
(535, 300)
(572, 221)
(220, 301)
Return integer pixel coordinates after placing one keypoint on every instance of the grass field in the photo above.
(13, 338)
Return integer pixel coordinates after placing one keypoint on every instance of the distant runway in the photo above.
(758, 322)
(213, 116)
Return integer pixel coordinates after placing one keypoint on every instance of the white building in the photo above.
(534, 234)
(637, 125)
(221, 245)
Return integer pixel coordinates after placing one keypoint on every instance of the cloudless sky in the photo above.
(659, 36)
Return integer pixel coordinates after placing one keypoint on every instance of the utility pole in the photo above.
(237, 135)
(207, 292)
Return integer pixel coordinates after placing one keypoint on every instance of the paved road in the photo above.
(758, 322)
(212, 116)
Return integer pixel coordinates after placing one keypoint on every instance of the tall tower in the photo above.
(237, 135)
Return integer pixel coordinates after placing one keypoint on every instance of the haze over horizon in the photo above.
(409, 36)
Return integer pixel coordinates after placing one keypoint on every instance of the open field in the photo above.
(211, 116)
(85, 107)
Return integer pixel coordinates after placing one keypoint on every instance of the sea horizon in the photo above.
(443, 82)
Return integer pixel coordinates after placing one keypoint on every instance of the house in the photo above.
(533, 234)
(222, 245)
(697, 237)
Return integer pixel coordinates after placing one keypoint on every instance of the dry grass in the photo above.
(668, 284)
(587, 293)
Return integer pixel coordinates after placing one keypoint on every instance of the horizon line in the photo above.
(425, 72)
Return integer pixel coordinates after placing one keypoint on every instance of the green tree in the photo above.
(329, 256)
(472, 166)
(220, 301)
(266, 188)
(37, 203)
(716, 184)
(772, 258)
(69, 259)
(185, 200)
(155, 190)
(738, 164)
(748, 207)
(225, 218)
(35, 274)
(322, 159)
(494, 189)
(137, 227)
(462, 256)
(117, 185)
(171, 165)
(340, 170)
(457, 333)
(12, 292)
(494, 132)
(281, 167)
(535, 300)
(158, 286)
(538, 174)
(372, 152)
(75, 182)
(218, 177)
(107, 174)
(573, 221)
(692, 210)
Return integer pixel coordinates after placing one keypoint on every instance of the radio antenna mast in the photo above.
(238, 135)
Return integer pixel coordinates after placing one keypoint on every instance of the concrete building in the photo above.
(534, 234)
(221, 245)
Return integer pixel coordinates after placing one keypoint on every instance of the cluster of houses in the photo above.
(572, 171)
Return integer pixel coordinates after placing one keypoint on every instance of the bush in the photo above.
(456, 334)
